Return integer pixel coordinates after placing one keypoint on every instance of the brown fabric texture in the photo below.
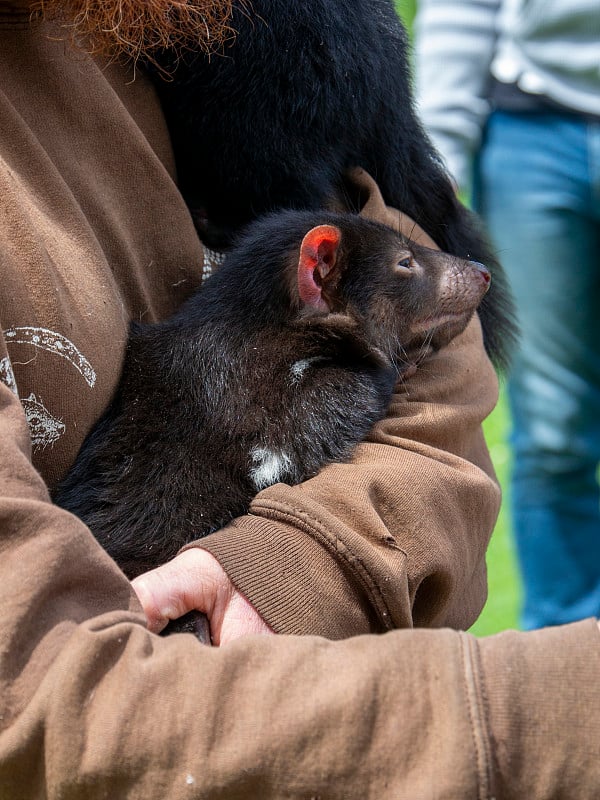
(84, 246)
(93, 233)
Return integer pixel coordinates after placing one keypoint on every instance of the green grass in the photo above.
(406, 9)
(504, 587)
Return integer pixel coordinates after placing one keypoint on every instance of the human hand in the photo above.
(194, 580)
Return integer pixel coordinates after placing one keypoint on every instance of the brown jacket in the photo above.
(93, 233)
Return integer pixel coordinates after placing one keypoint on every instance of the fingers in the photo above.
(194, 580)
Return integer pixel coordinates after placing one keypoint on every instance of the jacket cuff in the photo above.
(300, 577)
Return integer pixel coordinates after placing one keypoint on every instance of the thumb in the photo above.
(193, 580)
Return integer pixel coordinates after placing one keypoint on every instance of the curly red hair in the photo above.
(134, 28)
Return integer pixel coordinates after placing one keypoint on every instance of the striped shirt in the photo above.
(545, 48)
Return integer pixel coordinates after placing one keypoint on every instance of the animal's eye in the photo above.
(406, 263)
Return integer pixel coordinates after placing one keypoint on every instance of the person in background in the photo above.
(93, 704)
(509, 91)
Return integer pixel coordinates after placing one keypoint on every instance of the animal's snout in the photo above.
(482, 270)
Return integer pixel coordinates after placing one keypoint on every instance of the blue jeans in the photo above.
(538, 188)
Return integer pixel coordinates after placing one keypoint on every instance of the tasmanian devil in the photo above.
(280, 363)
(306, 90)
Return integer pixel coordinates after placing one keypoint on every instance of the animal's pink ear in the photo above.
(318, 264)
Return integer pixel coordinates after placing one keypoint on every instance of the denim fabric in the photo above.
(538, 188)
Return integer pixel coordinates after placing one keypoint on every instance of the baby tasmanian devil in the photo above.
(278, 365)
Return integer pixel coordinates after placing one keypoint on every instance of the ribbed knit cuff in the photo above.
(296, 579)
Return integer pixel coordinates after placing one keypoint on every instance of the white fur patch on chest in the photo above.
(269, 466)
(298, 368)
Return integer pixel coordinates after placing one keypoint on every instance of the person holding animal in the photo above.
(95, 235)
(510, 92)
(308, 310)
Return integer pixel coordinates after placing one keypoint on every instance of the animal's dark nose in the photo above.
(485, 273)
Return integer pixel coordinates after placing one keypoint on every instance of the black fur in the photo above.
(308, 89)
(246, 366)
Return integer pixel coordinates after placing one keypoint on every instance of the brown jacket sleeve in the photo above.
(398, 536)
(94, 706)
